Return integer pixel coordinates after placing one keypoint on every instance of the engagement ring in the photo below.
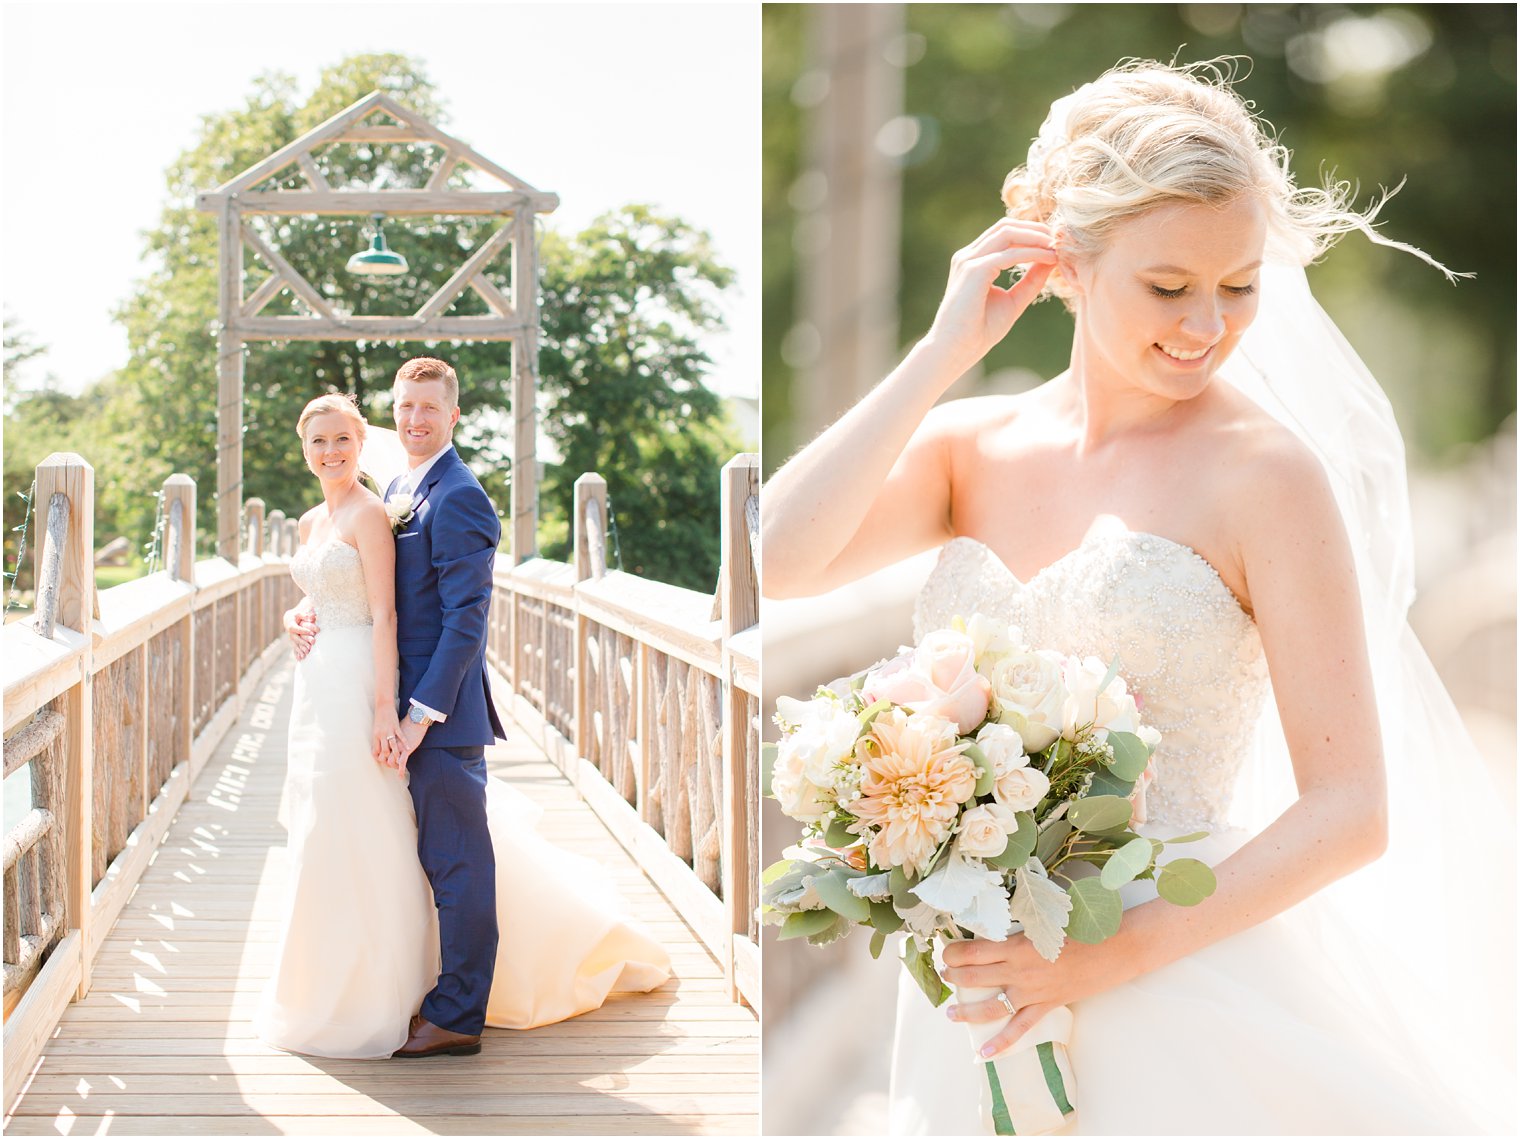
(1002, 999)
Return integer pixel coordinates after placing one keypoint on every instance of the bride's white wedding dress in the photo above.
(359, 946)
(1252, 1035)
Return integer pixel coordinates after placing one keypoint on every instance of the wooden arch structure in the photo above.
(512, 317)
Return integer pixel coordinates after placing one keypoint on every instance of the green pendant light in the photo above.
(377, 260)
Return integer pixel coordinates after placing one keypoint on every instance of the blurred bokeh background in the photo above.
(888, 130)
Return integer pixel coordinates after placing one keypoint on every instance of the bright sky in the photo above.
(602, 104)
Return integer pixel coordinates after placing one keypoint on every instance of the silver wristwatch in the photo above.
(418, 716)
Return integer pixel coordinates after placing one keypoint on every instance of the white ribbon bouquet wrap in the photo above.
(1030, 1088)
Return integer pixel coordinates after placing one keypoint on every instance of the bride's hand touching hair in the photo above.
(875, 487)
(976, 311)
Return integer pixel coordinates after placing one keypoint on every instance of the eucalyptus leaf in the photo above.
(836, 834)
(1105, 782)
(902, 888)
(1130, 859)
(985, 776)
(1130, 755)
(1096, 911)
(1020, 845)
(920, 966)
(1050, 840)
(806, 924)
(1185, 882)
(1194, 837)
(885, 918)
(1100, 812)
(878, 940)
(833, 888)
(767, 765)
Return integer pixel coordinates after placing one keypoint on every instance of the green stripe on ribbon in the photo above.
(1001, 1123)
(1053, 1079)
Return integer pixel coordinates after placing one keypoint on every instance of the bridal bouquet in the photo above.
(972, 786)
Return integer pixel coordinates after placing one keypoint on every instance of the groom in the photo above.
(444, 553)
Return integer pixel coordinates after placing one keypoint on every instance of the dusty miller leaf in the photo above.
(1042, 907)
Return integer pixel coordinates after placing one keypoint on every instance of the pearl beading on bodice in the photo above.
(1186, 648)
(331, 574)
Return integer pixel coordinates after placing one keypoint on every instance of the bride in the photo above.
(1212, 493)
(360, 947)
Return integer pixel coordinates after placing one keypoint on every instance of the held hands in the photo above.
(976, 312)
(386, 743)
(301, 627)
(411, 738)
(1033, 985)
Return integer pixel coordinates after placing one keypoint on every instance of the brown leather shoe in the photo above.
(424, 1038)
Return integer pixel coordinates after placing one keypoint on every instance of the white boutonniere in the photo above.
(399, 507)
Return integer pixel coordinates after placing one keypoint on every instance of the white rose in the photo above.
(1016, 785)
(824, 736)
(1027, 695)
(985, 831)
(799, 797)
(991, 639)
(398, 508)
(1112, 709)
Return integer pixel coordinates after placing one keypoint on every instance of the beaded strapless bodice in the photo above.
(331, 575)
(1184, 645)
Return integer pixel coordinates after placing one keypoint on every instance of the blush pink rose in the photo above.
(938, 677)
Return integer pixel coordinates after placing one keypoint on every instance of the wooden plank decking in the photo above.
(163, 1045)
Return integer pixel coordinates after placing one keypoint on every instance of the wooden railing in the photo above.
(647, 697)
(116, 700)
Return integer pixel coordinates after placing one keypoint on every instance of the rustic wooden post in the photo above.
(590, 529)
(251, 596)
(229, 382)
(741, 609)
(69, 475)
(276, 528)
(292, 536)
(179, 527)
(524, 389)
(590, 489)
(253, 524)
(179, 560)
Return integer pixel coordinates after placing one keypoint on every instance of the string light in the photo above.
(26, 497)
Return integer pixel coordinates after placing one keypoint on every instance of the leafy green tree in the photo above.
(624, 303)
(170, 319)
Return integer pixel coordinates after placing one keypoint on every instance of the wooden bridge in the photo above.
(143, 889)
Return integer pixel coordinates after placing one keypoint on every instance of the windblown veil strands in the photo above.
(1426, 935)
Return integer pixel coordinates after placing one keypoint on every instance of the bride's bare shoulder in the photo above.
(963, 419)
(1274, 478)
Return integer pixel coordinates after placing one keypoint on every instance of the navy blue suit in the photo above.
(444, 561)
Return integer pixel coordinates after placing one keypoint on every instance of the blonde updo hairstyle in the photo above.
(1148, 134)
(333, 401)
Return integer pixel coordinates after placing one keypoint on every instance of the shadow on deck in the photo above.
(164, 1042)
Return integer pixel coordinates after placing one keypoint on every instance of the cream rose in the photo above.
(985, 830)
(799, 797)
(1112, 709)
(823, 734)
(1027, 695)
(938, 677)
(1017, 786)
